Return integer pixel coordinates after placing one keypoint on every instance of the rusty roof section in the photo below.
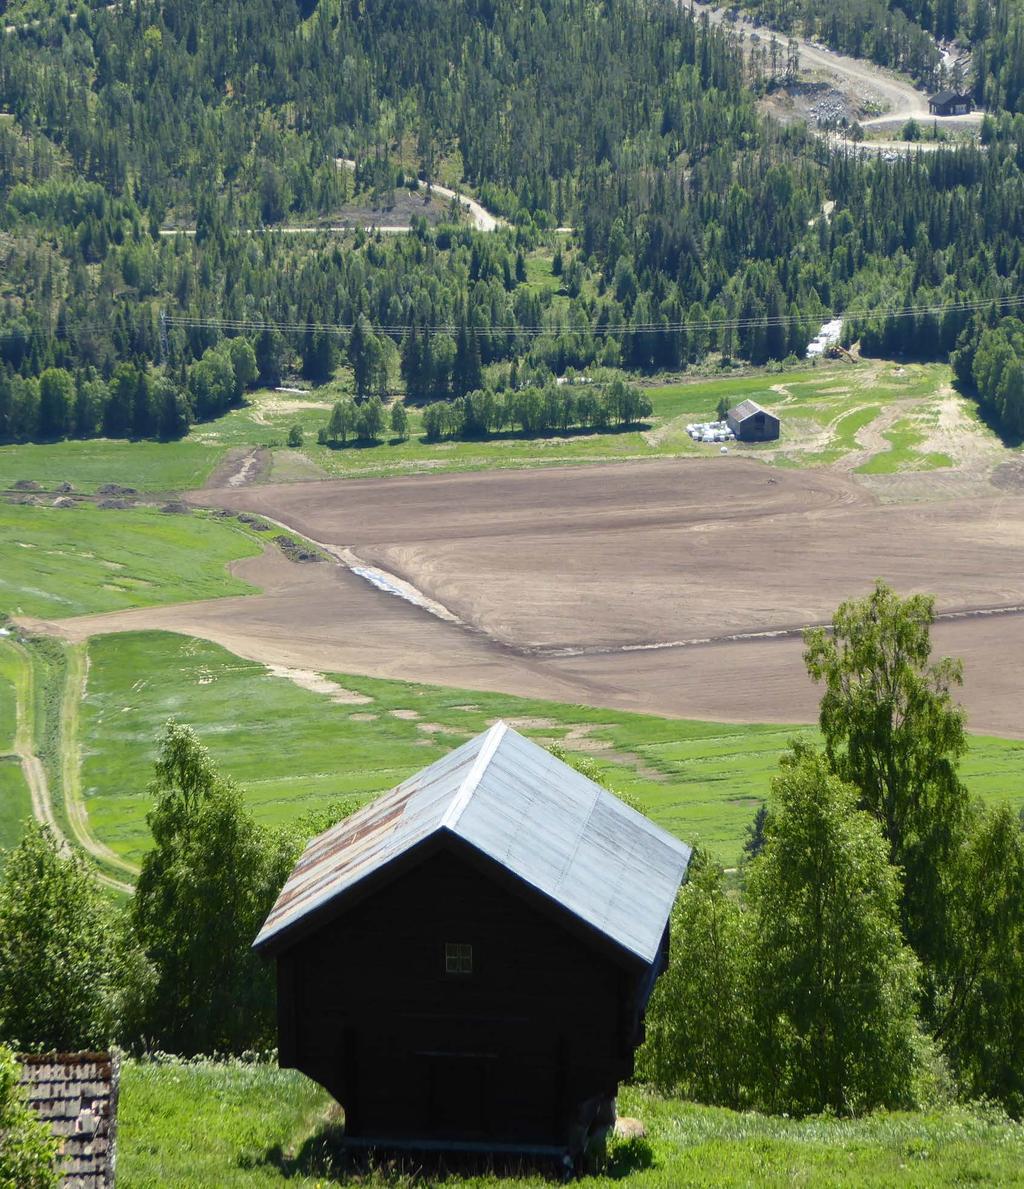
(747, 408)
(513, 801)
(75, 1094)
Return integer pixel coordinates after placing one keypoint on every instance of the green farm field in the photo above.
(212, 1125)
(826, 411)
(56, 562)
(8, 704)
(15, 804)
(295, 749)
(89, 465)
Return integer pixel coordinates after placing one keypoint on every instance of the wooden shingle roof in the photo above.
(75, 1094)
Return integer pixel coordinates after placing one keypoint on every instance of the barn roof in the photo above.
(748, 408)
(943, 97)
(75, 1094)
(511, 800)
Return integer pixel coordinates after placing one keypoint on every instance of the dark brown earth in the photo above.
(595, 584)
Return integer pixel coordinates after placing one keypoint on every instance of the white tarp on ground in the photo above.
(831, 332)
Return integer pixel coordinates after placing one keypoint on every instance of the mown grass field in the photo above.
(822, 408)
(56, 562)
(8, 703)
(89, 465)
(295, 750)
(904, 438)
(214, 1125)
(15, 805)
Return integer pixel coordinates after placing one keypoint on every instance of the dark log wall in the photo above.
(509, 1052)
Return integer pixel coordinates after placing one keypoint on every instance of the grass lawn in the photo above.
(213, 1125)
(904, 437)
(15, 804)
(88, 465)
(8, 704)
(294, 750)
(56, 562)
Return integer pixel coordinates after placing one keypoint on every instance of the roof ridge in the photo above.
(473, 777)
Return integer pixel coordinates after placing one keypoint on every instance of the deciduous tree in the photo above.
(834, 984)
(57, 949)
(28, 1152)
(893, 731)
(204, 890)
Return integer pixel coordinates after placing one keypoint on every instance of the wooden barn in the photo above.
(466, 962)
(950, 103)
(750, 423)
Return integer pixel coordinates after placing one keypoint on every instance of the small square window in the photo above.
(458, 957)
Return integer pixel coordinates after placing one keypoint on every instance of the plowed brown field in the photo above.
(620, 585)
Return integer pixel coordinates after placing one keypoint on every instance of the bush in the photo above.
(57, 949)
(295, 437)
(28, 1154)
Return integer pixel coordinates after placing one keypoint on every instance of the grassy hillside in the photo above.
(89, 465)
(249, 1125)
(56, 562)
(295, 749)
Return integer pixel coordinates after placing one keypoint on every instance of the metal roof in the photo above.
(511, 800)
(747, 409)
(941, 97)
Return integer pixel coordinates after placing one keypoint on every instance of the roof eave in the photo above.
(269, 943)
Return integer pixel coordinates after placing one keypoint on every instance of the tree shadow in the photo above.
(626, 1157)
(357, 444)
(1011, 439)
(522, 435)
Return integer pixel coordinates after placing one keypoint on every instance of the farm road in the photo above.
(35, 772)
(859, 78)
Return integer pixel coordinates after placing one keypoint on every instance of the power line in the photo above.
(256, 324)
(594, 327)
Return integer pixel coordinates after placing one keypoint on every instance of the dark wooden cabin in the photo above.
(750, 423)
(466, 962)
(950, 103)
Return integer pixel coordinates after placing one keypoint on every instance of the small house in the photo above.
(466, 962)
(750, 423)
(75, 1094)
(950, 103)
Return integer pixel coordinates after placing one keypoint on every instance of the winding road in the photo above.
(34, 770)
(903, 100)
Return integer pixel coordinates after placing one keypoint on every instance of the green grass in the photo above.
(56, 562)
(294, 750)
(15, 804)
(904, 438)
(212, 1125)
(89, 465)
(822, 410)
(833, 399)
(8, 707)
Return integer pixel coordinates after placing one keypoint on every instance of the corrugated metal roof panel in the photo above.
(516, 803)
(748, 408)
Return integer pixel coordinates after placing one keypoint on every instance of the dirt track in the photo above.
(565, 579)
